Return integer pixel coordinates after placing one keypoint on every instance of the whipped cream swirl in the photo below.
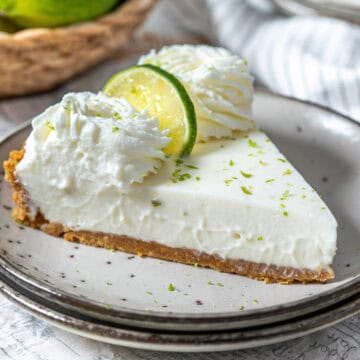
(218, 82)
(87, 143)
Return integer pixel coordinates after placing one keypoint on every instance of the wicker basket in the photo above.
(34, 60)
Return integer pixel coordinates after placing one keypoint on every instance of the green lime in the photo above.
(164, 97)
(52, 13)
(7, 26)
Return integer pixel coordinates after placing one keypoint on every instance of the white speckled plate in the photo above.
(177, 341)
(126, 289)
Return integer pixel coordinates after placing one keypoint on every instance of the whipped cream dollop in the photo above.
(218, 82)
(87, 143)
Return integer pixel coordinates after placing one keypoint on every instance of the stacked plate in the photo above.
(146, 303)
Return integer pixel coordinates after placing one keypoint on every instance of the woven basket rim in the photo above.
(128, 6)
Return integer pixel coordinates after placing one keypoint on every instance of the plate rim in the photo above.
(169, 321)
(211, 341)
(157, 317)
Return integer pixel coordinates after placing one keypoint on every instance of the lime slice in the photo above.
(53, 13)
(164, 97)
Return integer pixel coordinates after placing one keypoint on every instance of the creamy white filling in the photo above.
(238, 199)
(218, 82)
(88, 142)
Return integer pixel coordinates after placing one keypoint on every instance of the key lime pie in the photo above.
(167, 162)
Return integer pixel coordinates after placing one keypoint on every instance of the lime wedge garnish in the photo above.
(164, 97)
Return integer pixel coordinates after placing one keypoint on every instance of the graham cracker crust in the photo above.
(259, 271)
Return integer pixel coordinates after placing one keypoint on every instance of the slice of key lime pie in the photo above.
(167, 162)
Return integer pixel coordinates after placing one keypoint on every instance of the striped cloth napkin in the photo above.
(311, 58)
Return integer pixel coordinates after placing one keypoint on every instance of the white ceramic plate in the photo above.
(123, 288)
(177, 341)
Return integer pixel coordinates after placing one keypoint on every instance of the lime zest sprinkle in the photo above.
(197, 178)
(287, 172)
(117, 116)
(107, 307)
(246, 175)
(241, 307)
(255, 301)
(134, 115)
(285, 213)
(179, 162)
(228, 182)
(149, 292)
(108, 283)
(210, 283)
(285, 195)
(211, 67)
(282, 205)
(303, 196)
(260, 238)
(115, 129)
(269, 180)
(282, 160)
(220, 284)
(267, 140)
(231, 163)
(50, 125)
(263, 163)
(252, 143)
(245, 190)
(19, 221)
(191, 166)
(155, 203)
(323, 208)
(171, 287)
(178, 176)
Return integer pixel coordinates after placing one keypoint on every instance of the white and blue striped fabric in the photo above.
(311, 58)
